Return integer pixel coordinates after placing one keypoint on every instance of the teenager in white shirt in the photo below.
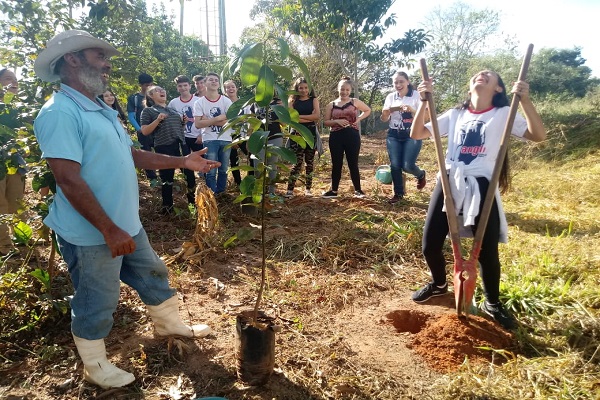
(474, 131)
(210, 116)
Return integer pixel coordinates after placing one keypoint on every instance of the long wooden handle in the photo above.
(504, 142)
(441, 159)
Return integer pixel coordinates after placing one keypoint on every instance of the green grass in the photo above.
(551, 266)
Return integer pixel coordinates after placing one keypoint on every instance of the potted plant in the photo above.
(255, 331)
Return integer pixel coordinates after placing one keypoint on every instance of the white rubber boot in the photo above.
(96, 367)
(167, 321)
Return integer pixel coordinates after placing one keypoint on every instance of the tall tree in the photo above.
(340, 36)
(458, 34)
(561, 72)
(348, 26)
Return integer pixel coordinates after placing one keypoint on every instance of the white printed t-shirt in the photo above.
(473, 146)
(211, 109)
(398, 119)
(187, 108)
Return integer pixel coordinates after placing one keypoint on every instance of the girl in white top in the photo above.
(474, 131)
(399, 108)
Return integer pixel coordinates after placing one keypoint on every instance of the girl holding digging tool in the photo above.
(474, 131)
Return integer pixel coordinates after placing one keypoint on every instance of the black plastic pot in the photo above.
(248, 207)
(255, 348)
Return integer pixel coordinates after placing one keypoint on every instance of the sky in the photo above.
(562, 24)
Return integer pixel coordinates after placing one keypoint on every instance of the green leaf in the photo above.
(283, 113)
(265, 87)
(252, 61)
(23, 232)
(247, 185)
(282, 94)
(234, 64)
(283, 72)
(245, 234)
(257, 141)
(285, 154)
(239, 199)
(294, 114)
(298, 139)
(303, 68)
(235, 109)
(229, 242)
(306, 134)
(43, 276)
(284, 49)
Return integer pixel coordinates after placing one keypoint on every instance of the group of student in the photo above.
(193, 121)
(473, 125)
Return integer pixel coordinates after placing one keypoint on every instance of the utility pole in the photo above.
(181, 17)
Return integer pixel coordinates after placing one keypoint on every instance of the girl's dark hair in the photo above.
(500, 99)
(297, 84)
(346, 79)
(115, 106)
(2, 71)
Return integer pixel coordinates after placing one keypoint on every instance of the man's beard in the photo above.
(91, 79)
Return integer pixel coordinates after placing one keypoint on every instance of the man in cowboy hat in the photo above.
(95, 213)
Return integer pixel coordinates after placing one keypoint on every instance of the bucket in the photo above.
(384, 174)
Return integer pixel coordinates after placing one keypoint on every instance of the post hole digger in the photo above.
(477, 148)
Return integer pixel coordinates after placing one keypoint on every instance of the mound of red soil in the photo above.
(446, 340)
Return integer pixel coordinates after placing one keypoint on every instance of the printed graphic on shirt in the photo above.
(404, 123)
(472, 141)
(213, 113)
(188, 112)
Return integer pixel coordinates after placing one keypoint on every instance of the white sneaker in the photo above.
(308, 193)
(289, 193)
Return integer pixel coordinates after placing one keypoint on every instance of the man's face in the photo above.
(94, 70)
(212, 82)
(200, 86)
(183, 88)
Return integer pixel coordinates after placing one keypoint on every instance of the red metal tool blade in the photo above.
(465, 279)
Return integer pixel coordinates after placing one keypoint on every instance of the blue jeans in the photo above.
(217, 152)
(403, 152)
(96, 277)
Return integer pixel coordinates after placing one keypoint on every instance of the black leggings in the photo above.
(167, 175)
(434, 235)
(346, 141)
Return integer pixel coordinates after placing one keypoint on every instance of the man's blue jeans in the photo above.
(97, 277)
(217, 152)
(403, 152)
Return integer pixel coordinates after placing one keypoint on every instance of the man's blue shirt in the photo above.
(71, 126)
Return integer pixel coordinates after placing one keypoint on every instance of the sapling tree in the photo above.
(263, 76)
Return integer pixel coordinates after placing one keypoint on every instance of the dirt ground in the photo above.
(339, 285)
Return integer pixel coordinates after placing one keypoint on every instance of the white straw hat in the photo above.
(63, 43)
